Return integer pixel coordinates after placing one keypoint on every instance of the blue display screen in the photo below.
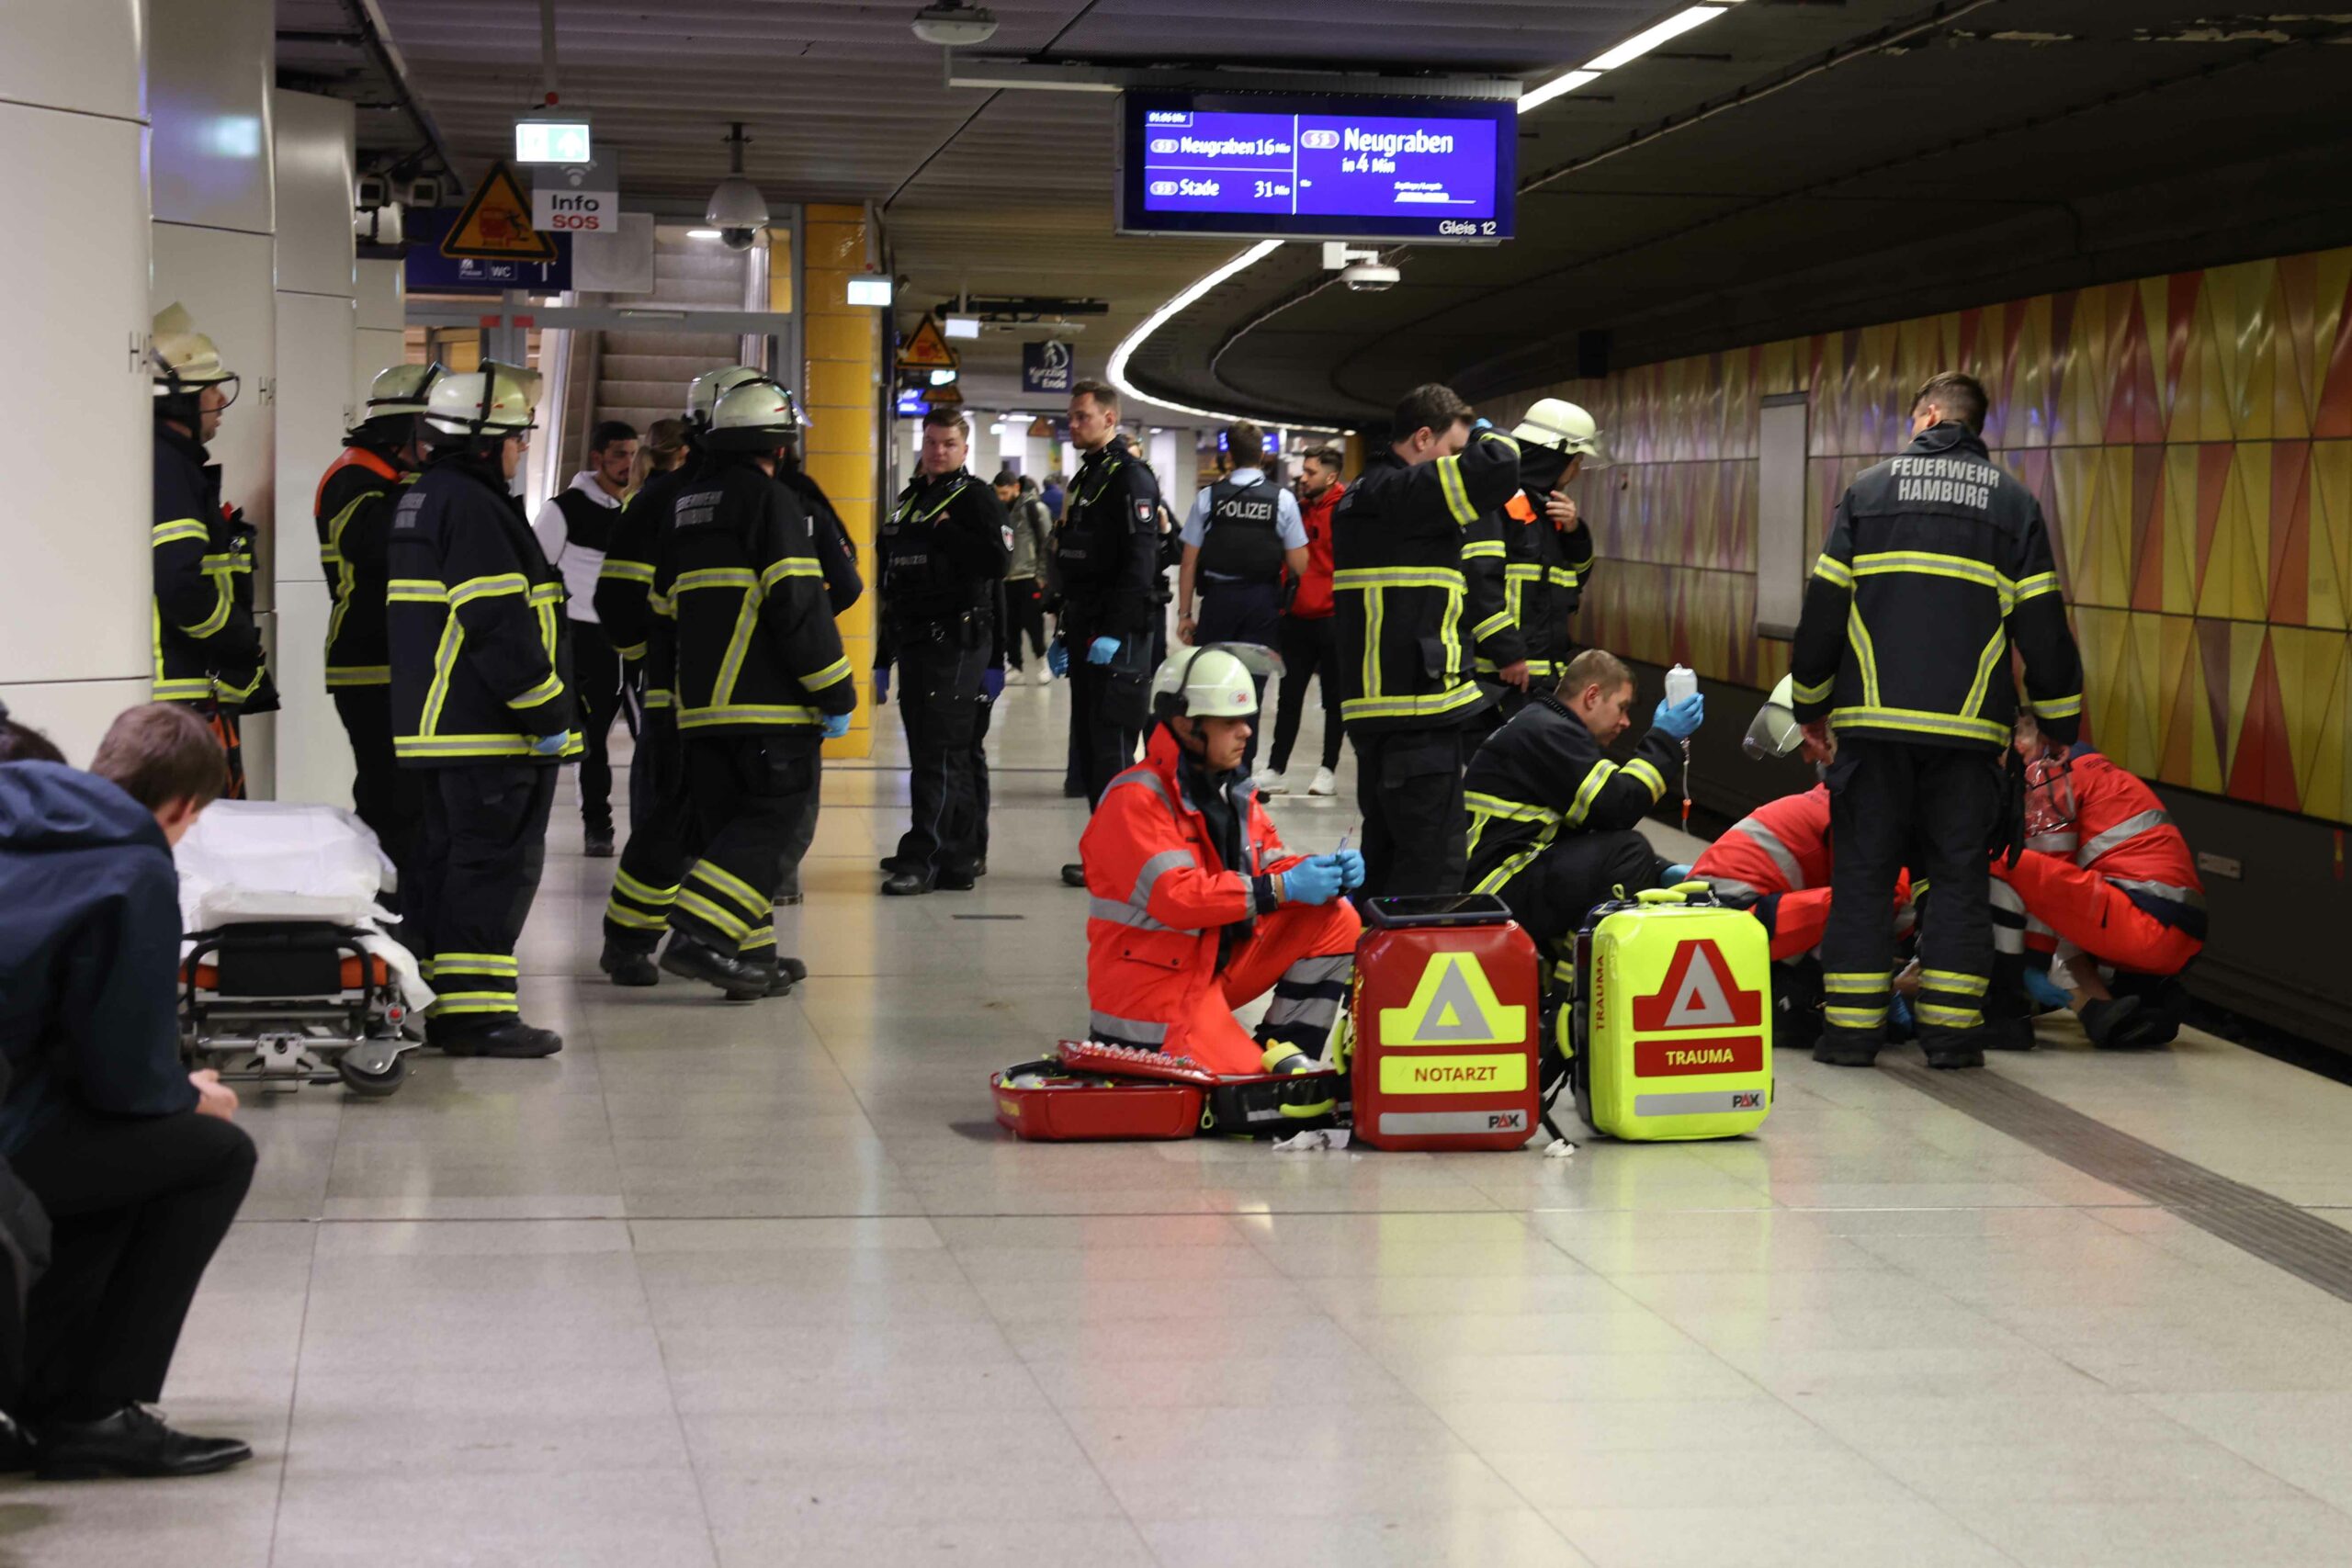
(1432, 169)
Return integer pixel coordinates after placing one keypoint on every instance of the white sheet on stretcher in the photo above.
(265, 860)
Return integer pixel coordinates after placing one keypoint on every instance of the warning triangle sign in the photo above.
(949, 396)
(1454, 1004)
(927, 350)
(496, 223)
(1699, 993)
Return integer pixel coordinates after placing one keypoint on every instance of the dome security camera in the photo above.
(737, 208)
(736, 239)
(954, 25)
(1370, 277)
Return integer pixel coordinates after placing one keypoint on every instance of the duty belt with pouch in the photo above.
(968, 629)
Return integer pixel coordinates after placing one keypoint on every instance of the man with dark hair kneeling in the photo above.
(1551, 818)
(135, 1158)
(1197, 908)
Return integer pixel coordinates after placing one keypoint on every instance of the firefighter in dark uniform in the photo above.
(664, 836)
(1241, 535)
(353, 511)
(1937, 565)
(482, 705)
(942, 555)
(1498, 643)
(1404, 673)
(761, 681)
(1106, 567)
(1551, 548)
(208, 649)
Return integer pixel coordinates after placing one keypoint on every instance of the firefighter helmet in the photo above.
(704, 391)
(1214, 682)
(1775, 732)
(185, 362)
(492, 403)
(1562, 426)
(756, 415)
(401, 389)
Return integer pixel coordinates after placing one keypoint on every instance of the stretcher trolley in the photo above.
(287, 975)
(289, 1002)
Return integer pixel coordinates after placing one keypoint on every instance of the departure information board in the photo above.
(1279, 166)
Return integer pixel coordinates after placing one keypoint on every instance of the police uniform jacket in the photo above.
(757, 650)
(1542, 774)
(943, 551)
(1397, 542)
(201, 630)
(480, 659)
(1106, 548)
(353, 511)
(1936, 564)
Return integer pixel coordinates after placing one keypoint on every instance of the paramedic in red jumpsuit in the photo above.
(1194, 906)
(2107, 881)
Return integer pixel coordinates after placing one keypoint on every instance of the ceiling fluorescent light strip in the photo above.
(1176, 306)
(1633, 49)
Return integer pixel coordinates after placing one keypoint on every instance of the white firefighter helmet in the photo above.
(1565, 427)
(1214, 681)
(752, 416)
(1775, 732)
(184, 360)
(401, 389)
(490, 403)
(704, 391)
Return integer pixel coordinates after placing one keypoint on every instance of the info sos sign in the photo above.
(575, 212)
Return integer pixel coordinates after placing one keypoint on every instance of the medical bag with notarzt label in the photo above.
(1671, 1029)
(1446, 1006)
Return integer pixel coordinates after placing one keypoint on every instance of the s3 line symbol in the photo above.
(1318, 140)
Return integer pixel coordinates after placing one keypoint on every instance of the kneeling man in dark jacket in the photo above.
(135, 1158)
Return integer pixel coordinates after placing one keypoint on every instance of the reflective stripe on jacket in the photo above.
(1543, 774)
(353, 513)
(201, 634)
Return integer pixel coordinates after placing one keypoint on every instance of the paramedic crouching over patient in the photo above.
(134, 1157)
(1196, 906)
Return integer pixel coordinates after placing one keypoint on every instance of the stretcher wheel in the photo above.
(376, 1084)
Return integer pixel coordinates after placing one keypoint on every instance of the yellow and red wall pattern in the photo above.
(2189, 437)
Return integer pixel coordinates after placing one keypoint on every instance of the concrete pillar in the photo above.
(383, 322)
(74, 638)
(317, 328)
(208, 85)
(842, 389)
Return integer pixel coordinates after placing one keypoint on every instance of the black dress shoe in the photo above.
(513, 1039)
(905, 884)
(741, 981)
(599, 845)
(954, 882)
(1073, 875)
(628, 968)
(134, 1442)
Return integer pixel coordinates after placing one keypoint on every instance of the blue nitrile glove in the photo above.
(881, 685)
(1315, 881)
(547, 745)
(1683, 718)
(1482, 422)
(836, 726)
(1057, 656)
(1102, 651)
(1351, 868)
(1677, 874)
(2045, 991)
(993, 682)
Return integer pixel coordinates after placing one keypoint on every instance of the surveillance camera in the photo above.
(739, 239)
(954, 25)
(1370, 277)
(373, 191)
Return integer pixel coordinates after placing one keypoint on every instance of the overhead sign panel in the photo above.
(1284, 166)
(429, 272)
(1047, 367)
(495, 223)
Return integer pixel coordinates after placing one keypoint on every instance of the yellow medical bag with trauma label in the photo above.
(1670, 1032)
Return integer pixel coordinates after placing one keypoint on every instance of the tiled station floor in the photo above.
(764, 1285)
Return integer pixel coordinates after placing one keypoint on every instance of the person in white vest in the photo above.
(573, 528)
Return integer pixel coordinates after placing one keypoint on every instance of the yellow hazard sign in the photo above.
(927, 350)
(496, 223)
(1453, 1005)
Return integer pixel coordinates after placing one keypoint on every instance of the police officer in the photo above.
(207, 647)
(481, 705)
(664, 836)
(1240, 536)
(1936, 566)
(943, 552)
(1406, 686)
(1106, 565)
(353, 511)
(761, 681)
